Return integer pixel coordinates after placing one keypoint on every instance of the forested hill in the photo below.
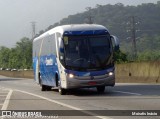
(118, 19)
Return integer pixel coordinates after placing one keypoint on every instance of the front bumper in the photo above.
(90, 81)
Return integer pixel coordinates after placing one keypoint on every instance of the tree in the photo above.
(120, 57)
(4, 57)
(18, 57)
(24, 49)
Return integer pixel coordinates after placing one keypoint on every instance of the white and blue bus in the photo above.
(74, 56)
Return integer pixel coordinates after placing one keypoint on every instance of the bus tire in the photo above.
(101, 89)
(43, 87)
(49, 88)
(62, 91)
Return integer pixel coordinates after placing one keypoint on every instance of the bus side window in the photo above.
(53, 45)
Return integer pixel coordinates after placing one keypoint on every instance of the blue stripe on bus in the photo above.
(48, 69)
(90, 32)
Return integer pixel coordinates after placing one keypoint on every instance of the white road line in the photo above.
(128, 93)
(6, 102)
(66, 105)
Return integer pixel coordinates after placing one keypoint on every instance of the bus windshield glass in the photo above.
(87, 52)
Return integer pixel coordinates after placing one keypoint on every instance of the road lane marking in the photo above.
(6, 102)
(128, 93)
(65, 105)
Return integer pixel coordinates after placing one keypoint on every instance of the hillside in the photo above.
(119, 20)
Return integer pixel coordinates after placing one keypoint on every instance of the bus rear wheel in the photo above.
(49, 88)
(101, 89)
(44, 87)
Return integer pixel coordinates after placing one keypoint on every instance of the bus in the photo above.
(75, 56)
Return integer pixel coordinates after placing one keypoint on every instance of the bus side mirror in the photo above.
(115, 42)
(61, 46)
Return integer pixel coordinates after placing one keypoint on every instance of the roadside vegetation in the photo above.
(19, 57)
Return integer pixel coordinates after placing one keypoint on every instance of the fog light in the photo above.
(71, 75)
(110, 73)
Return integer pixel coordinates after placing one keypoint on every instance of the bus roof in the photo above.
(76, 29)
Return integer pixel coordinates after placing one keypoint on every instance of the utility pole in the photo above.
(33, 24)
(132, 30)
(89, 15)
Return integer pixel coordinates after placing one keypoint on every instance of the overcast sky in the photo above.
(16, 15)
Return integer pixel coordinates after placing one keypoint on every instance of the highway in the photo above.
(25, 94)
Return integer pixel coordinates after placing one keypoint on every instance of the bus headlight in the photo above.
(110, 73)
(71, 75)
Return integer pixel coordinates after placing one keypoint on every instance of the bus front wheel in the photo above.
(101, 89)
(62, 91)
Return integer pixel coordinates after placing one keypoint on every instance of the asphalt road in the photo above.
(25, 94)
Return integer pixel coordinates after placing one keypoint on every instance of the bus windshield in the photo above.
(87, 52)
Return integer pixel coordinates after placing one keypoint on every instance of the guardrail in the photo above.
(141, 72)
(144, 72)
(18, 74)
